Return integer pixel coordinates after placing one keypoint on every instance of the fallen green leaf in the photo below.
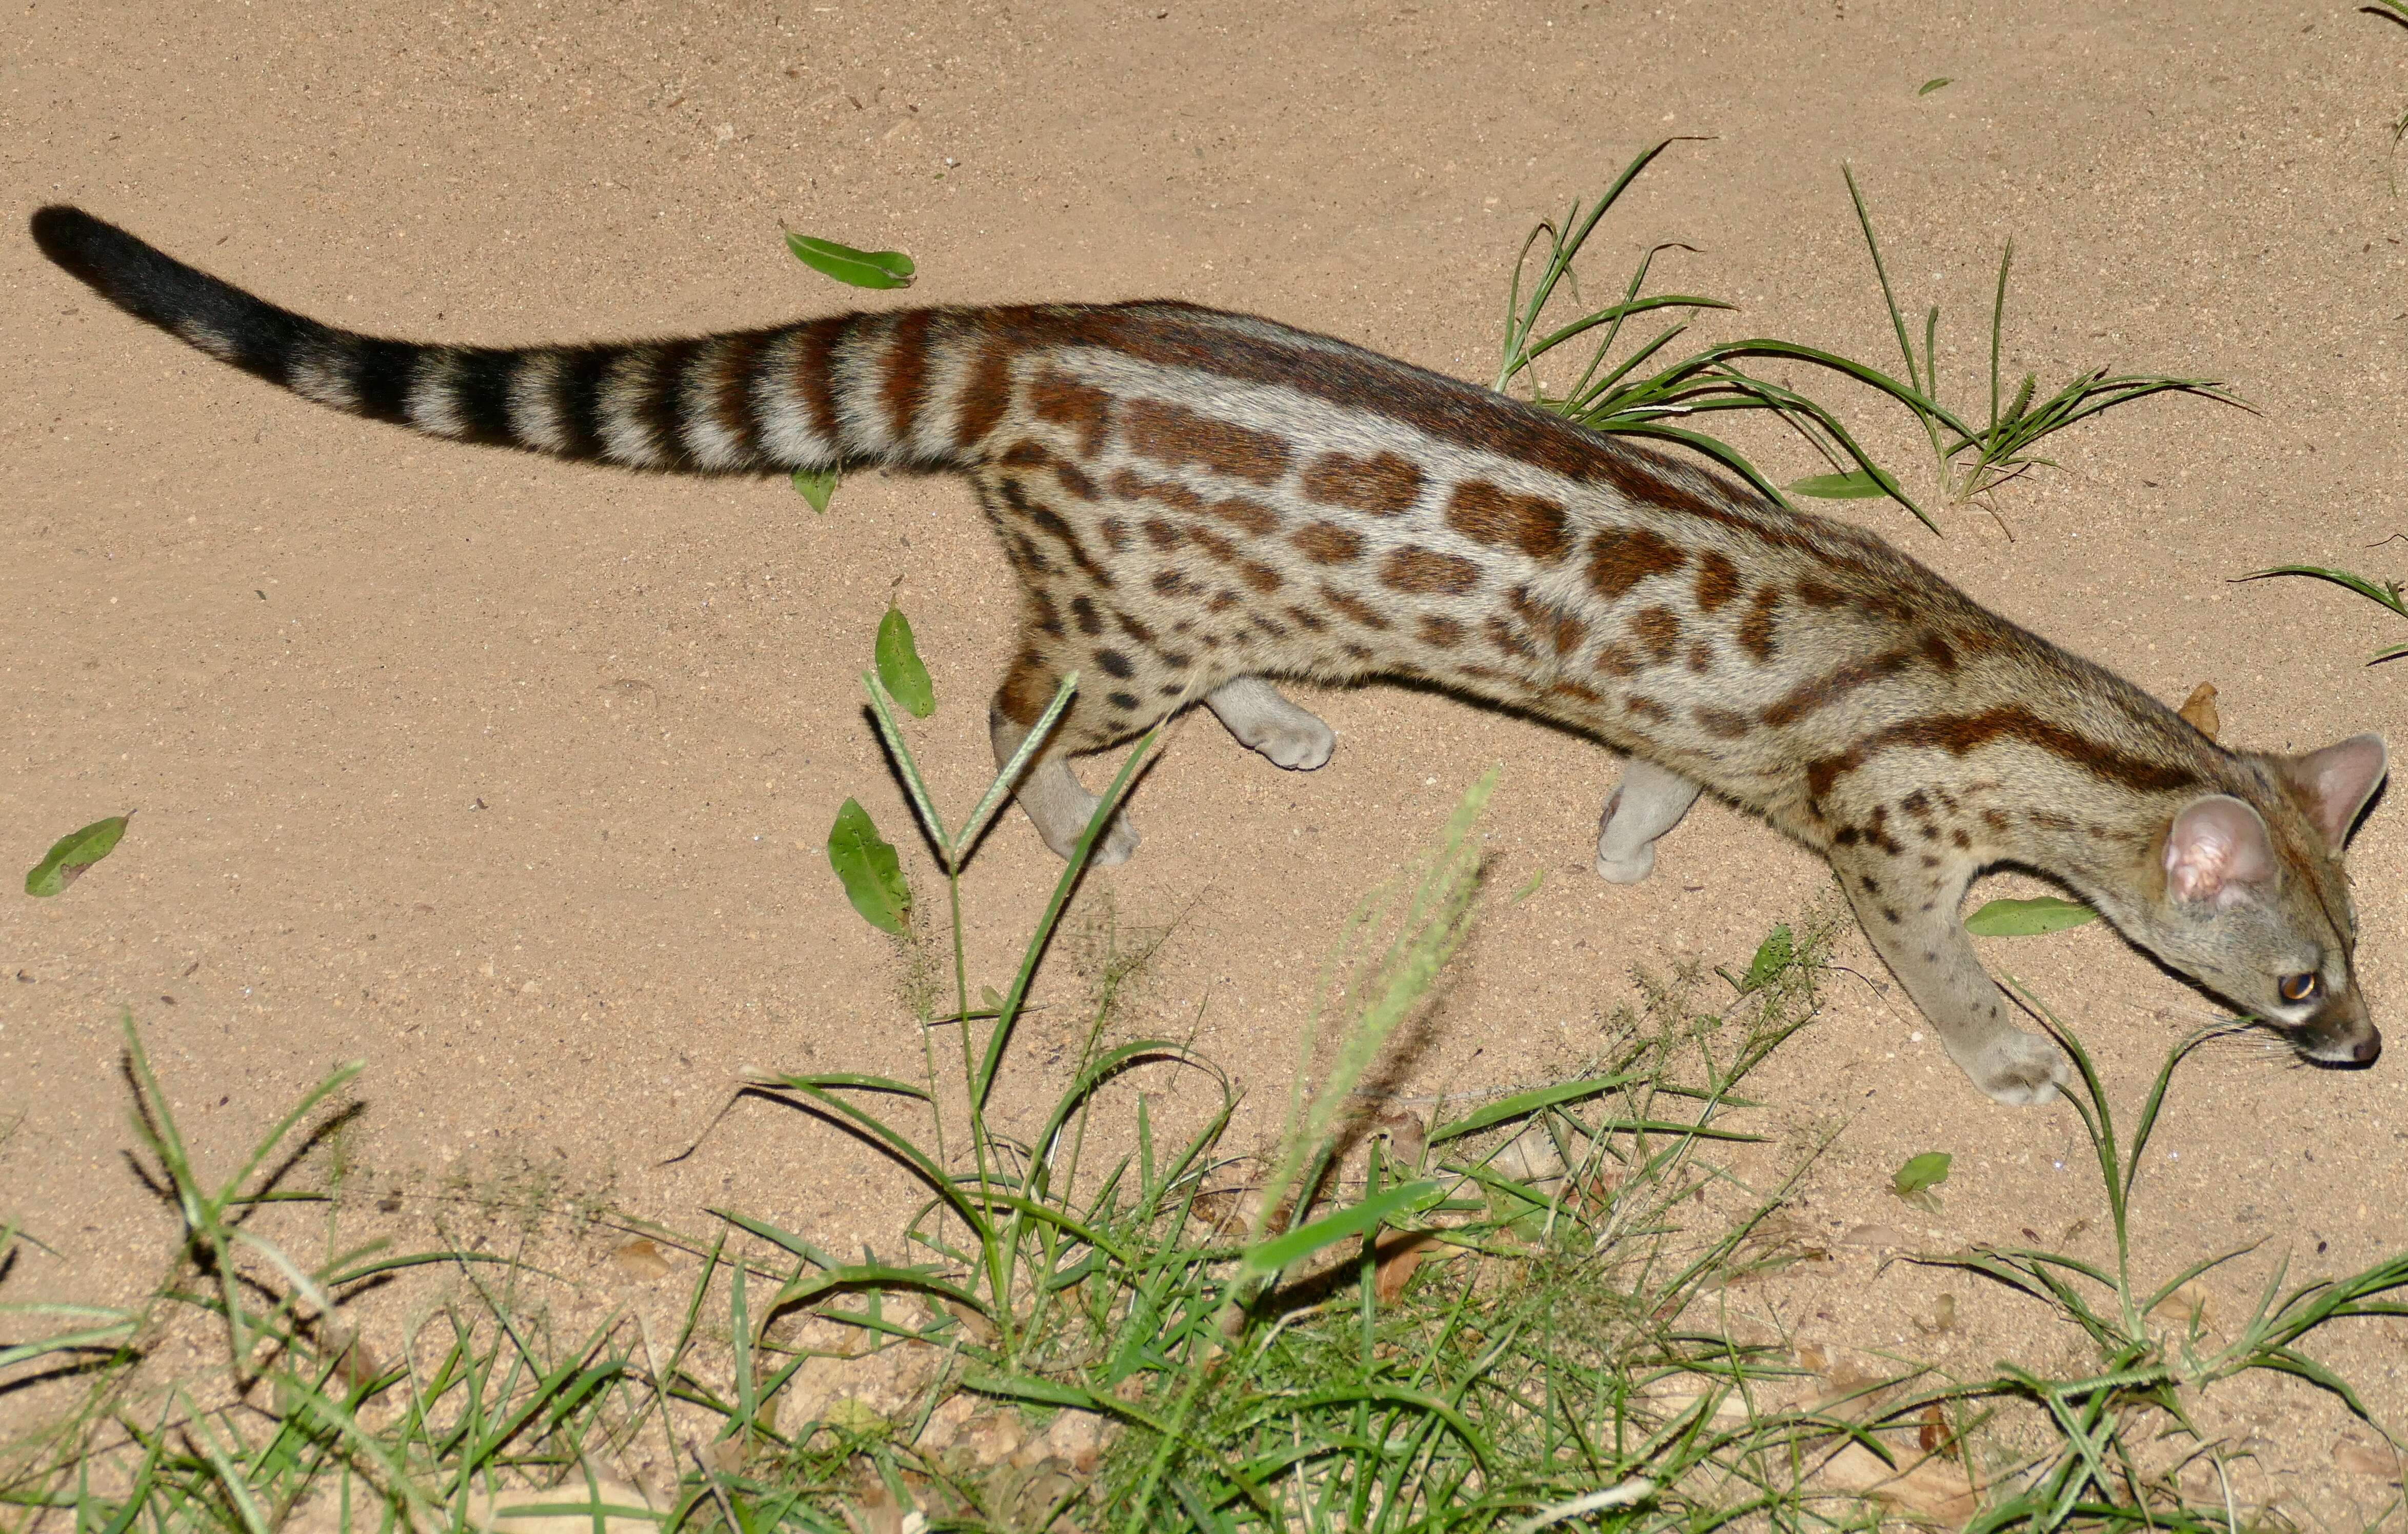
(1927, 1170)
(1773, 955)
(72, 854)
(816, 485)
(1855, 486)
(2027, 918)
(872, 874)
(1931, 85)
(900, 669)
(855, 269)
(1919, 1176)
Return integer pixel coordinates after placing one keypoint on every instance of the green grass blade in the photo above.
(1855, 486)
(2383, 593)
(94, 1339)
(1524, 1103)
(1998, 329)
(893, 1140)
(1017, 996)
(882, 706)
(229, 1479)
(1898, 321)
(2149, 1120)
(1270, 1257)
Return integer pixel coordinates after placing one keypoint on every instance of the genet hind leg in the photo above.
(1649, 802)
(1263, 721)
(1048, 790)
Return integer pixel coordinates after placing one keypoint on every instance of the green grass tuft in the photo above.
(2383, 593)
(1973, 461)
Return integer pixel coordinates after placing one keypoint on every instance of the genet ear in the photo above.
(2217, 850)
(2337, 781)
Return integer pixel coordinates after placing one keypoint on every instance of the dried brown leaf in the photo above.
(1396, 1260)
(356, 1364)
(2185, 1307)
(2358, 1458)
(2200, 709)
(1873, 1237)
(1933, 1435)
(974, 1323)
(640, 1260)
(1408, 1135)
(1226, 1211)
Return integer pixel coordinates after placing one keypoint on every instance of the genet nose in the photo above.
(2365, 1051)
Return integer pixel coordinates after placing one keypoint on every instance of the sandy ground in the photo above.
(512, 777)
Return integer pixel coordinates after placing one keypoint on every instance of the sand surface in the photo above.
(513, 779)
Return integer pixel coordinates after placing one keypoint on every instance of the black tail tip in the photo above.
(71, 237)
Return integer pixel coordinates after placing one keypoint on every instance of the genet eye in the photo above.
(2297, 988)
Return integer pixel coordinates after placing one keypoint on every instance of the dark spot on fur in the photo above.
(1718, 580)
(1645, 708)
(1503, 637)
(1354, 608)
(1499, 518)
(1177, 436)
(1327, 542)
(1657, 629)
(1048, 617)
(1755, 629)
(1384, 484)
(1252, 515)
(1621, 557)
(1423, 573)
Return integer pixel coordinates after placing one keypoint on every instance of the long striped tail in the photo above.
(809, 396)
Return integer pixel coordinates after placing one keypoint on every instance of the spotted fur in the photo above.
(1194, 501)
